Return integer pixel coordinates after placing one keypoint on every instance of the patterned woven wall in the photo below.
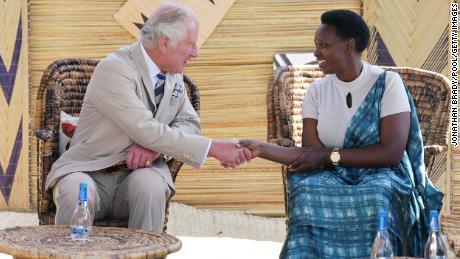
(14, 106)
(232, 73)
(409, 33)
(415, 33)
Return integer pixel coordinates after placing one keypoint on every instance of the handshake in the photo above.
(230, 153)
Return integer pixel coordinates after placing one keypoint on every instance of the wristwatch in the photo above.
(335, 156)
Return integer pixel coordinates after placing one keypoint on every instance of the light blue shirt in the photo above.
(151, 66)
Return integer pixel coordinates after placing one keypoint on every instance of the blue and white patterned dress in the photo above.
(334, 213)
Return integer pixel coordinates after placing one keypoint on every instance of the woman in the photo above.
(362, 153)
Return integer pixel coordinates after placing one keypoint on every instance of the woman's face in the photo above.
(331, 51)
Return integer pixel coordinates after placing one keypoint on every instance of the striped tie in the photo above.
(159, 88)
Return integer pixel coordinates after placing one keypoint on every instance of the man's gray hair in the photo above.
(170, 20)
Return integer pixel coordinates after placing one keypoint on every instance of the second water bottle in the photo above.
(381, 249)
(435, 248)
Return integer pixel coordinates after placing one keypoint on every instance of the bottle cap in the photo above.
(383, 224)
(434, 223)
(83, 194)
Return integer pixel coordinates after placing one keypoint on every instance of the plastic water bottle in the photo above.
(435, 248)
(80, 224)
(381, 249)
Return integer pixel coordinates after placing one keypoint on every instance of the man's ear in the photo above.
(163, 43)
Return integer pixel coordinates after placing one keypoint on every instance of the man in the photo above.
(136, 109)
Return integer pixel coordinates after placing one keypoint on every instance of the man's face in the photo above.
(177, 58)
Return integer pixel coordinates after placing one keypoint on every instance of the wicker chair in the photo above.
(62, 88)
(429, 90)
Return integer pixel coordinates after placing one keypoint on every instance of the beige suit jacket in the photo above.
(119, 110)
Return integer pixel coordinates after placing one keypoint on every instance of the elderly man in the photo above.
(136, 109)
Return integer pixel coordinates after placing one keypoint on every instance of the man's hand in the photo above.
(140, 157)
(229, 153)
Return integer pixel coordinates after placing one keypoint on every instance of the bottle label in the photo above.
(78, 230)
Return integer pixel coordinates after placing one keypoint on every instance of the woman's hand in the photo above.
(253, 145)
(311, 159)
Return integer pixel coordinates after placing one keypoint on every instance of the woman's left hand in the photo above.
(311, 159)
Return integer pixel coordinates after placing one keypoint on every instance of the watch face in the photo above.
(335, 156)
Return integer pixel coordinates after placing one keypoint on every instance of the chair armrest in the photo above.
(435, 161)
(282, 142)
(44, 134)
(428, 150)
(434, 149)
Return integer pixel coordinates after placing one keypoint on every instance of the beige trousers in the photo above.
(140, 195)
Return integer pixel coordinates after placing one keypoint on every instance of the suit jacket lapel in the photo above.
(138, 59)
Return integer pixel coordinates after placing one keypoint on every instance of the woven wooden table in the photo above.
(51, 241)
